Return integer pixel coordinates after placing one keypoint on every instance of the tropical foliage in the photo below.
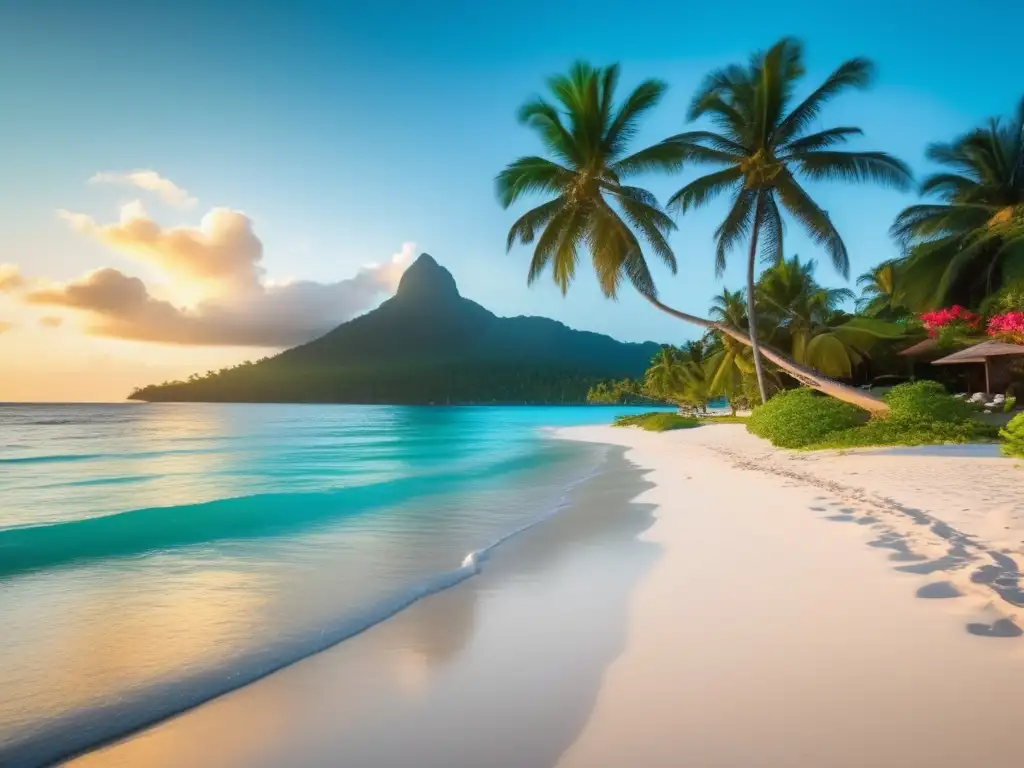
(658, 421)
(880, 297)
(1013, 437)
(922, 413)
(807, 319)
(621, 392)
(591, 207)
(764, 148)
(799, 417)
(964, 247)
(970, 242)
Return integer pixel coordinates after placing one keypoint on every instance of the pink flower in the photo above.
(955, 317)
(1008, 326)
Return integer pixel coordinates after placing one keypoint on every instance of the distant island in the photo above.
(425, 345)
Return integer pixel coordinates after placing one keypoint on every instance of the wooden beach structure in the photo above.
(997, 357)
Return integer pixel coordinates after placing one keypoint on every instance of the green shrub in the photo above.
(657, 421)
(926, 401)
(1013, 437)
(799, 417)
(923, 413)
(1009, 404)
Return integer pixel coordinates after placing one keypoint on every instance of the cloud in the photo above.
(121, 306)
(5, 327)
(10, 278)
(223, 252)
(51, 321)
(151, 181)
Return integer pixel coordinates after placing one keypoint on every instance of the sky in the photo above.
(187, 186)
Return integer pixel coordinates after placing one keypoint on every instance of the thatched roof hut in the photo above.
(996, 356)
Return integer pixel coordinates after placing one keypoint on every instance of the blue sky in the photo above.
(345, 129)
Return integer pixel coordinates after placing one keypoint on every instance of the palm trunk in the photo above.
(751, 309)
(804, 375)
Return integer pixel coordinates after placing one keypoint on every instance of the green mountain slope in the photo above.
(427, 344)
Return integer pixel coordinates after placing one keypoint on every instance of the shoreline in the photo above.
(704, 599)
(468, 662)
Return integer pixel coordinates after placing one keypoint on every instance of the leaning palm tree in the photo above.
(971, 243)
(763, 146)
(592, 209)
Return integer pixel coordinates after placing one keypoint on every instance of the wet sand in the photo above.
(782, 611)
(502, 669)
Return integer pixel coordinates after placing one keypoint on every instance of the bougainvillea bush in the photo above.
(951, 324)
(1008, 326)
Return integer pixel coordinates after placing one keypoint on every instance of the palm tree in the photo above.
(808, 320)
(730, 364)
(762, 146)
(695, 390)
(972, 242)
(664, 379)
(879, 295)
(591, 209)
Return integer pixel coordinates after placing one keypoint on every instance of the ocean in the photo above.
(153, 556)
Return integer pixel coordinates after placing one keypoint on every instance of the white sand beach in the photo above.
(803, 613)
(719, 605)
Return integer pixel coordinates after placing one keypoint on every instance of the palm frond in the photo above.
(704, 189)
(529, 175)
(778, 69)
(722, 114)
(855, 73)
(830, 165)
(951, 187)
(652, 224)
(735, 227)
(526, 226)
(820, 140)
(544, 118)
(921, 222)
(814, 220)
(547, 244)
(664, 157)
(566, 253)
(712, 140)
(624, 124)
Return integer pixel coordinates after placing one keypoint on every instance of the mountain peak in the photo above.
(425, 278)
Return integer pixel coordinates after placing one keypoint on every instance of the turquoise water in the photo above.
(154, 556)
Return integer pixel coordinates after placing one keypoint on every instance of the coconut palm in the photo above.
(664, 378)
(970, 243)
(808, 320)
(592, 210)
(763, 146)
(879, 295)
(730, 364)
(695, 390)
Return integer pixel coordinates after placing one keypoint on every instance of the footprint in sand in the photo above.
(1001, 628)
(940, 590)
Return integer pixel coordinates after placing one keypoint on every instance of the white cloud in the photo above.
(150, 181)
(119, 306)
(223, 252)
(219, 265)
